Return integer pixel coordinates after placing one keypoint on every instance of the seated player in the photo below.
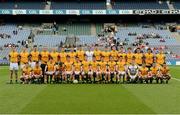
(102, 70)
(132, 71)
(120, 69)
(37, 72)
(154, 73)
(143, 73)
(93, 67)
(68, 69)
(50, 70)
(86, 74)
(26, 74)
(77, 69)
(59, 72)
(164, 73)
(111, 70)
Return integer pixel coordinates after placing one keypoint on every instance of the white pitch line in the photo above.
(176, 79)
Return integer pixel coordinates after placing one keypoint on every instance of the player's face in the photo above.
(44, 49)
(120, 58)
(13, 49)
(68, 59)
(129, 50)
(24, 49)
(53, 50)
(110, 58)
(149, 51)
(138, 50)
(35, 49)
(133, 62)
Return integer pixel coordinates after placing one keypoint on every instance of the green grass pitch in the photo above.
(91, 98)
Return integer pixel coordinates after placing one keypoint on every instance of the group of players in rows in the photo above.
(114, 66)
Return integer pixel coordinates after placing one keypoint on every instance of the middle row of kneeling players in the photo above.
(95, 72)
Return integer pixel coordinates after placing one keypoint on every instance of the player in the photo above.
(62, 55)
(106, 54)
(13, 59)
(44, 57)
(129, 55)
(122, 54)
(154, 73)
(72, 54)
(54, 55)
(59, 72)
(139, 57)
(143, 73)
(50, 70)
(160, 58)
(149, 56)
(68, 69)
(114, 53)
(102, 71)
(26, 74)
(89, 54)
(24, 58)
(164, 73)
(34, 56)
(80, 53)
(132, 71)
(121, 69)
(111, 70)
(37, 72)
(77, 69)
(93, 67)
(86, 74)
(97, 54)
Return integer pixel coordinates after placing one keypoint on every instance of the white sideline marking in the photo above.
(176, 79)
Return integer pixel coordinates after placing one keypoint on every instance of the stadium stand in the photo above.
(78, 5)
(139, 5)
(22, 5)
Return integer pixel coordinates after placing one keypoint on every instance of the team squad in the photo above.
(114, 66)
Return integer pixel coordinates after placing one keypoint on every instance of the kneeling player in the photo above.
(133, 71)
(26, 74)
(164, 73)
(154, 73)
(37, 72)
(143, 74)
(50, 70)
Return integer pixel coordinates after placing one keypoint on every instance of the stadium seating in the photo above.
(139, 5)
(22, 5)
(78, 5)
(176, 5)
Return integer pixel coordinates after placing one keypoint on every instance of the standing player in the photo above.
(139, 57)
(122, 54)
(132, 71)
(160, 58)
(114, 53)
(106, 54)
(50, 70)
(80, 53)
(54, 55)
(13, 59)
(94, 67)
(149, 58)
(34, 56)
(62, 55)
(44, 56)
(97, 54)
(24, 58)
(85, 69)
(143, 73)
(129, 55)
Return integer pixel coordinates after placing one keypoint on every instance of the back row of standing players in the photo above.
(89, 66)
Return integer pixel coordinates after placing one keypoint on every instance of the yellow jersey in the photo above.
(34, 56)
(112, 65)
(77, 66)
(55, 56)
(24, 57)
(85, 65)
(160, 58)
(129, 57)
(37, 70)
(13, 57)
(139, 58)
(114, 54)
(143, 71)
(50, 66)
(62, 56)
(27, 71)
(68, 66)
(80, 54)
(106, 55)
(121, 65)
(154, 70)
(44, 57)
(149, 58)
(97, 54)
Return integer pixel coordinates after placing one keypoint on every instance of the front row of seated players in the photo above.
(96, 72)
